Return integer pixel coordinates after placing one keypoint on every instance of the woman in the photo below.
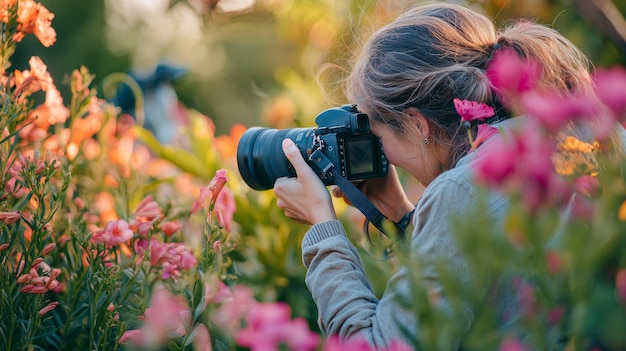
(406, 79)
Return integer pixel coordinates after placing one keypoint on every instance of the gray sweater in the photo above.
(346, 303)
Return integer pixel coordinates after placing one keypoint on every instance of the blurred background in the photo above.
(256, 62)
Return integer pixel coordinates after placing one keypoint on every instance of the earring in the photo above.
(426, 141)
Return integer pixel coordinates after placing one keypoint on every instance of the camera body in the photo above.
(343, 135)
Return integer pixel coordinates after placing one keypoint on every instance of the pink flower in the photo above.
(511, 344)
(299, 337)
(216, 291)
(211, 191)
(269, 325)
(230, 314)
(334, 344)
(171, 257)
(510, 74)
(49, 307)
(9, 217)
(472, 110)
(226, 207)
(485, 131)
(202, 341)
(553, 110)
(132, 335)
(167, 317)
(115, 232)
(611, 89)
(496, 165)
(148, 209)
(587, 185)
(4, 247)
(48, 248)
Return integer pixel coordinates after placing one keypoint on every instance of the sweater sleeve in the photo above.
(346, 303)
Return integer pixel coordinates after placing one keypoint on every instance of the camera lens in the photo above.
(260, 156)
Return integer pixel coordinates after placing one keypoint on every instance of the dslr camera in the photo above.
(343, 135)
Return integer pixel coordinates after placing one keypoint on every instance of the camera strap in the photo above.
(358, 199)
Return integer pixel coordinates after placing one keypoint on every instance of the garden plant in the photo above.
(111, 240)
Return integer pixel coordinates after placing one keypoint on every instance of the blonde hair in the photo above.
(434, 53)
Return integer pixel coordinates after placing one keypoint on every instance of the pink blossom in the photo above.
(553, 110)
(211, 191)
(9, 217)
(202, 341)
(510, 74)
(587, 185)
(524, 164)
(148, 209)
(132, 335)
(334, 344)
(114, 233)
(472, 110)
(167, 317)
(611, 89)
(484, 132)
(171, 257)
(269, 325)
(234, 309)
(299, 337)
(49, 307)
(511, 344)
(496, 165)
(216, 291)
(48, 248)
(226, 207)
(4, 247)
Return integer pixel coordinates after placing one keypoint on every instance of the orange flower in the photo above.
(32, 17)
(226, 145)
(280, 114)
(38, 78)
(52, 111)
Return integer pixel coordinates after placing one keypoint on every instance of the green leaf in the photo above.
(172, 346)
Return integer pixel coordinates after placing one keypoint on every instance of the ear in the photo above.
(418, 119)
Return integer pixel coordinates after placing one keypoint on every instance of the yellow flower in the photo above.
(573, 154)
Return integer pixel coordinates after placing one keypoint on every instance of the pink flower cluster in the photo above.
(167, 317)
(525, 162)
(171, 257)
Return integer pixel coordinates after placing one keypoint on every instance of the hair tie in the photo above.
(496, 46)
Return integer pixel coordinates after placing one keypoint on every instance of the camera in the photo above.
(343, 135)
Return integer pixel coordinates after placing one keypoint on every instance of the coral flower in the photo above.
(9, 217)
(49, 307)
(38, 78)
(32, 17)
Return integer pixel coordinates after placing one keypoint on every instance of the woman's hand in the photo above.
(385, 193)
(305, 198)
